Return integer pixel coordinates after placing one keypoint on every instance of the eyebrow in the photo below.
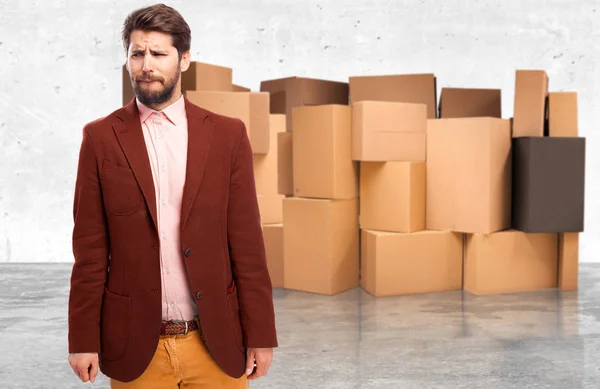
(153, 51)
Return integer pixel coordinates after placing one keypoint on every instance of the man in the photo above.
(170, 286)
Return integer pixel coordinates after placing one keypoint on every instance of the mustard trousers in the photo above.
(183, 361)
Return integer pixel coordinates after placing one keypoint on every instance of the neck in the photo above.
(159, 107)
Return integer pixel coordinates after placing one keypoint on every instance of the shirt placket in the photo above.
(162, 184)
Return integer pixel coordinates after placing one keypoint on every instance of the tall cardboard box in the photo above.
(402, 88)
(469, 166)
(549, 184)
(465, 103)
(128, 93)
(320, 245)
(285, 164)
(568, 261)
(288, 93)
(531, 94)
(510, 261)
(265, 165)
(563, 117)
(273, 237)
(252, 108)
(206, 77)
(410, 263)
(392, 196)
(322, 148)
(388, 131)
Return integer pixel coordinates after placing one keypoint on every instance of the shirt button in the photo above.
(187, 252)
(172, 305)
(198, 295)
(167, 271)
(164, 236)
(157, 115)
(162, 168)
(163, 202)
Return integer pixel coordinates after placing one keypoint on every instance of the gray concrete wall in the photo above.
(60, 67)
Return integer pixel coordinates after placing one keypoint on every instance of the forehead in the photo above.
(150, 39)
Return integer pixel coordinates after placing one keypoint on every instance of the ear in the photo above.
(185, 61)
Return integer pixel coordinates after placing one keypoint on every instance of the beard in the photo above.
(152, 97)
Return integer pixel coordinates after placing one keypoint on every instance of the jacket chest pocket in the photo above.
(120, 190)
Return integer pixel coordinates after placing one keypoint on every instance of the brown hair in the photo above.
(160, 18)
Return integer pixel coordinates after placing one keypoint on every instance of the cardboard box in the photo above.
(549, 184)
(271, 208)
(206, 77)
(421, 262)
(285, 164)
(465, 103)
(273, 237)
(403, 88)
(531, 93)
(265, 165)
(128, 93)
(288, 93)
(563, 114)
(251, 107)
(568, 261)
(239, 88)
(510, 261)
(388, 131)
(469, 168)
(320, 240)
(322, 147)
(392, 196)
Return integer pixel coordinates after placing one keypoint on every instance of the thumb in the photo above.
(94, 371)
(250, 362)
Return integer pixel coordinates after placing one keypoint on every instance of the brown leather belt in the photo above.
(178, 327)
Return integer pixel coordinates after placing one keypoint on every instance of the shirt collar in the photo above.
(175, 112)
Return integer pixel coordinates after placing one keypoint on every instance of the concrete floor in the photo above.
(544, 339)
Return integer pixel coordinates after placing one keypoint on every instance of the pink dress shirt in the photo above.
(166, 137)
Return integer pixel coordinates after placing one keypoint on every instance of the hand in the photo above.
(263, 358)
(85, 365)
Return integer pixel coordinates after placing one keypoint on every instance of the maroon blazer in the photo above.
(115, 295)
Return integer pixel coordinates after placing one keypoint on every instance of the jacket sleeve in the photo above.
(90, 249)
(247, 251)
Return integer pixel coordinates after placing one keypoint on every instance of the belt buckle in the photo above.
(186, 328)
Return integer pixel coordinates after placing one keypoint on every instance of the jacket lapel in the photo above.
(129, 134)
(200, 131)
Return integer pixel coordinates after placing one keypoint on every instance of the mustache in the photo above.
(148, 78)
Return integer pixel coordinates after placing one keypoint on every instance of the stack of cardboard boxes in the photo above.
(320, 180)
(371, 183)
(398, 255)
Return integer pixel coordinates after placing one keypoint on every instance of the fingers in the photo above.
(94, 371)
(249, 361)
(83, 372)
(263, 362)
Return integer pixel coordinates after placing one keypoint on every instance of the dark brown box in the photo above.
(470, 103)
(290, 92)
(548, 184)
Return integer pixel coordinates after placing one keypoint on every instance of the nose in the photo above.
(148, 66)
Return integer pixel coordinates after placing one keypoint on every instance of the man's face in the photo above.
(154, 66)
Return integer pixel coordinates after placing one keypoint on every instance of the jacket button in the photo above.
(198, 295)
(188, 251)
